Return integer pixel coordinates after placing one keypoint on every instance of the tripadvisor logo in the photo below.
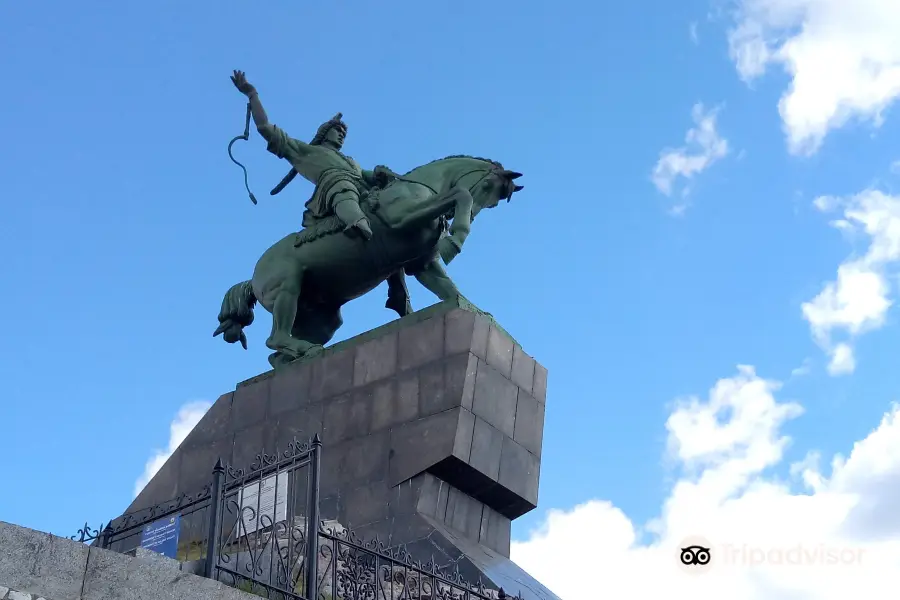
(695, 554)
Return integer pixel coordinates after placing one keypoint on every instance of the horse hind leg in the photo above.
(318, 323)
(284, 313)
(313, 325)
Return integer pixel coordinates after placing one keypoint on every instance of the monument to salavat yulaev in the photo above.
(431, 425)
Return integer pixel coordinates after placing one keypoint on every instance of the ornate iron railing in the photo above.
(123, 533)
(262, 547)
(354, 569)
(255, 530)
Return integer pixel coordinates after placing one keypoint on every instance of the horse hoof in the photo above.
(313, 351)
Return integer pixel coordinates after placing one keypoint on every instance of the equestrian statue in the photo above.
(360, 228)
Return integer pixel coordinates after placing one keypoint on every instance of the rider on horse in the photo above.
(339, 180)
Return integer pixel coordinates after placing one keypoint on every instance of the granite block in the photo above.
(495, 531)
(197, 464)
(466, 332)
(468, 390)
(251, 442)
(301, 423)
(289, 388)
(539, 389)
(365, 504)
(417, 445)
(522, 369)
(459, 327)
(404, 498)
(519, 471)
(395, 401)
(156, 560)
(409, 529)
(250, 404)
(379, 531)
(105, 576)
(441, 384)
(464, 513)
(332, 374)
(529, 431)
(215, 424)
(495, 399)
(346, 417)
(429, 490)
(331, 507)
(375, 359)
(358, 461)
(163, 486)
(487, 446)
(421, 343)
(499, 351)
(462, 444)
(493, 568)
(44, 555)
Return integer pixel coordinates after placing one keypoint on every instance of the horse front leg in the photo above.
(450, 246)
(435, 279)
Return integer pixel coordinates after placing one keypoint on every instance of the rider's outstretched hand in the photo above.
(239, 79)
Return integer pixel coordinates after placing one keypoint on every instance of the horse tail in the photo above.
(236, 313)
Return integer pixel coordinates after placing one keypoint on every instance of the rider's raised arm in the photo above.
(282, 145)
(279, 143)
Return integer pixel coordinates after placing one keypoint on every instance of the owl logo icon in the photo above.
(695, 555)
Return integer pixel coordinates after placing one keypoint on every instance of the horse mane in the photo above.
(487, 160)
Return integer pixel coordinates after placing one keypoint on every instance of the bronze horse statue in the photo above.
(304, 286)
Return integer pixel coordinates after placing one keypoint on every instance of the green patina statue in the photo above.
(360, 228)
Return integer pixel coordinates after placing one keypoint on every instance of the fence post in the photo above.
(215, 520)
(312, 521)
(105, 535)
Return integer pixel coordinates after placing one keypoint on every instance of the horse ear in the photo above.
(510, 174)
(518, 188)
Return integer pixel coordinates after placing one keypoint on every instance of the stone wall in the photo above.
(36, 565)
(8, 594)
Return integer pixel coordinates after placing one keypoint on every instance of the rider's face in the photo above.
(336, 136)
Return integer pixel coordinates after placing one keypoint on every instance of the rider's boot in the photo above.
(351, 215)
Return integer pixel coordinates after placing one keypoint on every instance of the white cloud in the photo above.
(803, 370)
(692, 31)
(895, 167)
(188, 416)
(858, 300)
(703, 147)
(724, 448)
(843, 58)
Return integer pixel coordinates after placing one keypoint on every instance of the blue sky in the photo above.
(125, 222)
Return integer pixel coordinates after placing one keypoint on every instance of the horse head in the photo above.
(499, 184)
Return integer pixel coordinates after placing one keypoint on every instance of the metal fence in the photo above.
(265, 524)
(256, 530)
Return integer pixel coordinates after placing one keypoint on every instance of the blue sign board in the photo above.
(162, 536)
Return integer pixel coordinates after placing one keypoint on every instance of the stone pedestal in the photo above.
(431, 428)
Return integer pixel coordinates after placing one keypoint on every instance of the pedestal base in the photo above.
(431, 428)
